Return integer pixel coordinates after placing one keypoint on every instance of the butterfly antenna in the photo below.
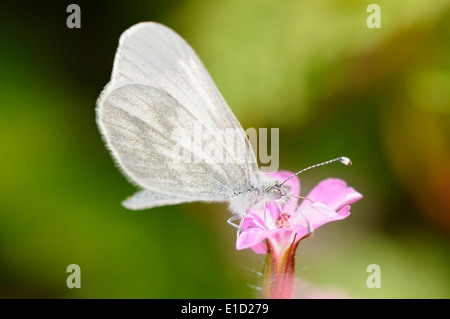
(344, 160)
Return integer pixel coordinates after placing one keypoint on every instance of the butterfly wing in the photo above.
(147, 199)
(158, 115)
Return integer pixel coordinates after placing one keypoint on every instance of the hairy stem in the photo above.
(279, 272)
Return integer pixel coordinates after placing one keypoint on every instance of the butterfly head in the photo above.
(278, 193)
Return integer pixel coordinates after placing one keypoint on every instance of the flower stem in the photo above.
(279, 274)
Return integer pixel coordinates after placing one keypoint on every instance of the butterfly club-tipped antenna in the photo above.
(344, 160)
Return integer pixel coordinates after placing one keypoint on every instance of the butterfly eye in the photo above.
(275, 193)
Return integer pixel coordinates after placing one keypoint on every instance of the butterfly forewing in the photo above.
(167, 126)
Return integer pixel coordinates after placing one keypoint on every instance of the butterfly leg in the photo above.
(265, 206)
(301, 197)
(308, 225)
(232, 219)
(240, 227)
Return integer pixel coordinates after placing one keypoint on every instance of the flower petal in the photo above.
(254, 238)
(260, 248)
(262, 218)
(317, 215)
(253, 220)
(251, 237)
(332, 192)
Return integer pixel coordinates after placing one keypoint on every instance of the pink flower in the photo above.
(329, 201)
(276, 230)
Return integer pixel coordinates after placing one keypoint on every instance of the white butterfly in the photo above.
(159, 86)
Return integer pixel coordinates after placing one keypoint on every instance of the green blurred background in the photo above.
(311, 68)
